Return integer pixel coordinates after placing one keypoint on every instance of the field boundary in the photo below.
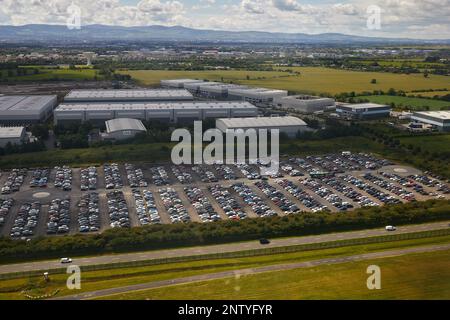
(241, 254)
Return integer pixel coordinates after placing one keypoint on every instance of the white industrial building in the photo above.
(362, 111)
(305, 103)
(194, 87)
(288, 125)
(164, 112)
(13, 135)
(26, 109)
(123, 128)
(218, 91)
(438, 119)
(260, 97)
(177, 83)
(121, 96)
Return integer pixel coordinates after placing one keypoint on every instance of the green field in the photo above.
(431, 143)
(310, 80)
(431, 94)
(103, 279)
(413, 103)
(424, 276)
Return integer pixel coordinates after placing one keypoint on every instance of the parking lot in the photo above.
(64, 200)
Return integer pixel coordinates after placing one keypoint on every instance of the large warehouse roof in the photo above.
(162, 105)
(441, 115)
(11, 132)
(25, 104)
(261, 122)
(121, 124)
(358, 106)
(142, 94)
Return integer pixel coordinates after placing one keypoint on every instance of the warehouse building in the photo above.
(121, 96)
(194, 87)
(178, 112)
(260, 97)
(305, 103)
(288, 125)
(440, 120)
(26, 109)
(13, 135)
(177, 83)
(123, 128)
(218, 91)
(362, 111)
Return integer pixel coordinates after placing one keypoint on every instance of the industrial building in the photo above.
(194, 87)
(362, 111)
(26, 109)
(122, 96)
(288, 125)
(438, 119)
(260, 97)
(178, 112)
(123, 128)
(305, 103)
(13, 135)
(177, 83)
(218, 91)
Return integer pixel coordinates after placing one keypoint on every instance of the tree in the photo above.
(373, 81)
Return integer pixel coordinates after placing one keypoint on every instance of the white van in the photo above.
(66, 260)
(390, 228)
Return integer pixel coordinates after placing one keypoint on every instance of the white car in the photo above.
(390, 228)
(66, 260)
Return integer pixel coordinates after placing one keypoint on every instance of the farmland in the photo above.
(310, 79)
(424, 276)
(413, 103)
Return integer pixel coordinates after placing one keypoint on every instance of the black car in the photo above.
(264, 241)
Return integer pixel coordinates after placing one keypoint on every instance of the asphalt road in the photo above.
(249, 271)
(230, 247)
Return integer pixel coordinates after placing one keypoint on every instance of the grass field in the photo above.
(432, 143)
(311, 79)
(431, 94)
(97, 280)
(413, 103)
(424, 276)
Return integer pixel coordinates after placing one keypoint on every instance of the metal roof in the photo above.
(121, 124)
(442, 115)
(365, 105)
(11, 132)
(261, 122)
(31, 104)
(156, 106)
(130, 94)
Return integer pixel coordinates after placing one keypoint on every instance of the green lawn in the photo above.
(431, 143)
(424, 276)
(103, 279)
(413, 103)
(311, 80)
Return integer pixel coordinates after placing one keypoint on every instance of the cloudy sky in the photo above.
(398, 18)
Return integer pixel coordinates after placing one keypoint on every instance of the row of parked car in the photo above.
(227, 202)
(5, 207)
(205, 174)
(118, 209)
(326, 194)
(307, 200)
(39, 178)
(182, 174)
(405, 182)
(253, 200)
(113, 180)
(201, 204)
(374, 192)
(174, 206)
(58, 216)
(225, 172)
(89, 178)
(14, 181)
(159, 176)
(135, 176)
(277, 197)
(26, 220)
(250, 172)
(390, 186)
(89, 212)
(63, 178)
(146, 207)
(349, 192)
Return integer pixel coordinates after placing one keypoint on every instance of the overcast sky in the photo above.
(399, 18)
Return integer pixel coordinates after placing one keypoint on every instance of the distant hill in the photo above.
(92, 33)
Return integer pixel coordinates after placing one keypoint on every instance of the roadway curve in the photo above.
(230, 247)
(248, 271)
